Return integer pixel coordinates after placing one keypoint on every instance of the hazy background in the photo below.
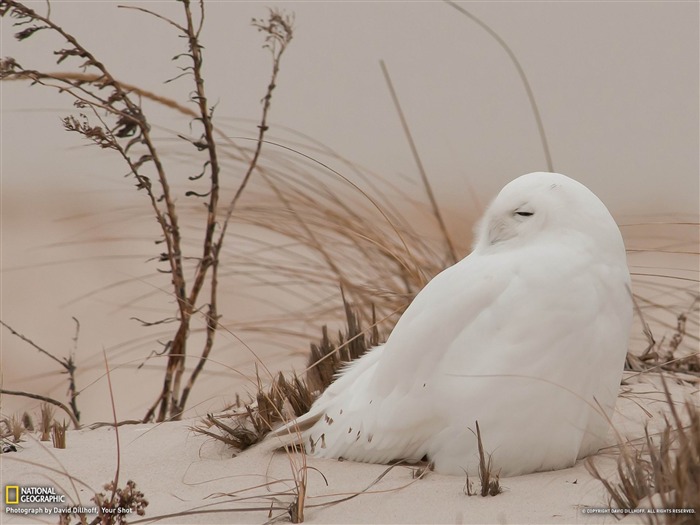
(616, 84)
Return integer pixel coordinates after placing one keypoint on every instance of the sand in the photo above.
(190, 478)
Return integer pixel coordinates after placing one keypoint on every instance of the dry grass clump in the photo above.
(14, 428)
(286, 399)
(28, 422)
(663, 474)
(328, 357)
(664, 354)
(58, 434)
(490, 485)
(489, 480)
(283, 399)
(47, 413)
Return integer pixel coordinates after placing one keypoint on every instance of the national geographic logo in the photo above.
(11, 495)
(16, 495)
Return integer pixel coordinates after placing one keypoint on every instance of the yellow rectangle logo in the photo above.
(9, 498)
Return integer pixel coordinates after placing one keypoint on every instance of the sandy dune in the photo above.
(183, 472)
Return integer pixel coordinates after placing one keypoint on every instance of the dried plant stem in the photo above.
(280, 33)
(58, 434)
(424, 176)
(661, 472)
(70, 369)
(76, 423)
(67, 364)
(116, 429)
(171, 402)
(32, 343)
(521, 73)
(131, 115)
(132, 124)
(67, 76)
(490, 485)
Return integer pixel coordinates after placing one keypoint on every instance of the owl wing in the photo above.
(376, 411)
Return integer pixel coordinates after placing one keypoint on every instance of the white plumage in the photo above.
(527, 335)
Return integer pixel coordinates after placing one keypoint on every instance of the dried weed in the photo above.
(661, 473)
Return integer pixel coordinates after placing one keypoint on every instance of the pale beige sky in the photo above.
(617, 85)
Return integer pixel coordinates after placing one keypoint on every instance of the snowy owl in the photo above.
(527, 335)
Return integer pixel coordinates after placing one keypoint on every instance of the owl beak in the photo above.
(499, 231)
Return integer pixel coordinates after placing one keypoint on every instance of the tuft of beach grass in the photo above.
(662, 471)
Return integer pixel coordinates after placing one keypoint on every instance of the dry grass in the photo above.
(14, 428)
(490, 485)
(665, 354)
(46, 421)
(58, 434)
(328, 357)
(489, 480)
(661, 473)
(28, 422)
(285, 399)
(250, 422)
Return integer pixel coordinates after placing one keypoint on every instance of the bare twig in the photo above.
(67, 364)
(279, 29)
(70, 368)
(32, 343)
(74, 420)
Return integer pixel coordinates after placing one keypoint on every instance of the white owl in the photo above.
(527, 335)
